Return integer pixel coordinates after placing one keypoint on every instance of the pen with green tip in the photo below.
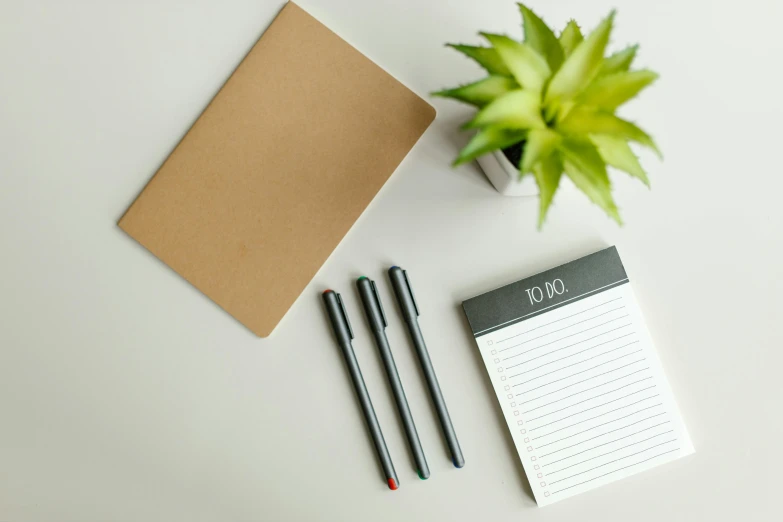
(376, 317)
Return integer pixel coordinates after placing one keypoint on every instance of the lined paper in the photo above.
(580, 384)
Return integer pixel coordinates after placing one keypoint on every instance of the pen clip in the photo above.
(410, 289)
(345, 314)
(380, 305)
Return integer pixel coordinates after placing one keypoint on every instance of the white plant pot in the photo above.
(504, 176)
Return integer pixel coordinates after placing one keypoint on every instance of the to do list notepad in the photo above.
(577, 377)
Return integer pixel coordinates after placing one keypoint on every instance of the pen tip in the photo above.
(392, 484)
(395, 266)
(363, 277)
(327, 291)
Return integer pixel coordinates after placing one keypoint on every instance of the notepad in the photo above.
(577, 377)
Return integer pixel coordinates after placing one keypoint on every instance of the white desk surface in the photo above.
(126, 395)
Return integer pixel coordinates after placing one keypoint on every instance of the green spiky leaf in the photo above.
(582, 65)
(620, 61)
(558, 97)
(482, 92)
(583, 121)
(540, 144)
(598, 194)
(585, 167)
(617, 153)
(527, 66)
(487, 140)
(609, 92)
(541, 38)
(584, 155)
(547, 172)
(518, 110)
(486, 57)
(570, 38)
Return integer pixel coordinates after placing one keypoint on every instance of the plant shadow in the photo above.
(454, 140)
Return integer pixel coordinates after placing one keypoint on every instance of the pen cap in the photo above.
(404, 292)
(371, 300)
(338, 316)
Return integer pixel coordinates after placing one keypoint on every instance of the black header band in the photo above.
(545, 291)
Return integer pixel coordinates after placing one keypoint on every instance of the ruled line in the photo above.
(604, 404)
(611, 442)
(617, 460)
(548, 307)
(586, 389)
(577, 353)
(567, 336)
(561, 319)
(563, 328)
(601, 435)
(593, 388)
(578, 382)
(615, 471)
(594, 407)
(577, 373)
(590, 399)
(596, 426)
(570, 345)
(613, 451)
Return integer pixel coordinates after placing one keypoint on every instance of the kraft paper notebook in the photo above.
(577, 377)
(277, 169)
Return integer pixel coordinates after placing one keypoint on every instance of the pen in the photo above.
(344, 334)
(376, 317)
(410, 312)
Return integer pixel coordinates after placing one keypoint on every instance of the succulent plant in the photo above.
(557, 96)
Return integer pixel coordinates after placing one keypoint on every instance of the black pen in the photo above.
(344, 334)
(376, 317)
(410, 312)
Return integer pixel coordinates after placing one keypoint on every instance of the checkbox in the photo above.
(536, 467)
(489, 343)
(527, 439)
(513, 404)
(516, 412)
(506, 387)
(494, 352)
(533, 458)
(502, 377)
(530, 448)
(520, 423)
(546, 493)
(543, 484)
(497, 361)
(540, 475)
(523, 431)
(500, 369)
(510, 396)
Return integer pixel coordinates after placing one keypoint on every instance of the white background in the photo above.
(126, 395)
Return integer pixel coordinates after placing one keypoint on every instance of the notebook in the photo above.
(277, 169)
(577, 377)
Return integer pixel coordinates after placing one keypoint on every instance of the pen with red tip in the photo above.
(343, 332)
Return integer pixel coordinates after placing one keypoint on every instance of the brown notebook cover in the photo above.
(277, 169)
